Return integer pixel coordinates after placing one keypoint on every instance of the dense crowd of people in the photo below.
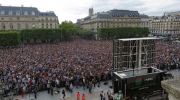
(77, 62)
(50, 65)
(167, 55)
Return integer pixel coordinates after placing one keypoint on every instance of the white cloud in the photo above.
(74, 9)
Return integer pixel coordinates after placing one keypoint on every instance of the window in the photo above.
(33, 13)
(42, 23)
(10, 12)
(46, 26)
(46, 23)
(26, 18)
(17, 12)
(11, 26)
(3, 26)
(10, 18)
(2, 12)
(26, 26)
(50, 23)
(25, 13)
(46, 19)
(18, 26)
(33, 19)
(2, 18)
(33, 26)
(17, 18)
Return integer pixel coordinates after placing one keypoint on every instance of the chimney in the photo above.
(0, 4)
(21, 5)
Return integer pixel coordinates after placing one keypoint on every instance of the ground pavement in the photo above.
(43, 95)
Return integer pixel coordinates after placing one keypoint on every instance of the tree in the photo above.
(68, 29)
(86, 33)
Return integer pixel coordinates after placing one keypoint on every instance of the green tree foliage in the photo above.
(68, 29)
(179, 38)
(86, 33)
(77, 29)
(10, 38)
(123, 32)
(42, 34)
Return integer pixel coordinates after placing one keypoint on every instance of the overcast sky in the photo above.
(71, 10)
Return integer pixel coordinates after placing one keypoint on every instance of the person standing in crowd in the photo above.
(90, 87)
(71, 87)
(51, 90)
(83, 97)
(48, 87)
(35, 92)
(84, 83)
(78, 96)
(101, 95)
(64, 92)
(109, 94)
(104, 96)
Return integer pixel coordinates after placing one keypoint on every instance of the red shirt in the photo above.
(83, 97)
(78, 96)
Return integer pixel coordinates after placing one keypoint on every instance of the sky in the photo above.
(71, 10)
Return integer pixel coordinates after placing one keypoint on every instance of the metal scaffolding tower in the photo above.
(140, 50)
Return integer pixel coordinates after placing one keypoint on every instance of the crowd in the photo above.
(167, 55)
(78, 62)
(42, 66)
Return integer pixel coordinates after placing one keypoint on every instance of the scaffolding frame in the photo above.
(142, 51)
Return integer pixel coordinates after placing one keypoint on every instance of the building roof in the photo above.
(118, 13)
(103, 15)
(47, 14)
(143, 16)
(121, 13)
(12, 10)
(86, 18)
(27, 11)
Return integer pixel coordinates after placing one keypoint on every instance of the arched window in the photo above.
(33, 13)
(3, 26)
(25, 13)
(10, 12)
(33, 25)
(2, 12)
(17, 12)
(26, 26)
(11, 26)
(18, 26)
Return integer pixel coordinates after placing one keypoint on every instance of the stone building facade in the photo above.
(146, 21)
(16, 18)
(166, 25)
(112, 18)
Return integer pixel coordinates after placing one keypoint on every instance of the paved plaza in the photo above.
(43, 95)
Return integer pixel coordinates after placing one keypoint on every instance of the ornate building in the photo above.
(166, 25)
(26, 18)
(112, 18)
